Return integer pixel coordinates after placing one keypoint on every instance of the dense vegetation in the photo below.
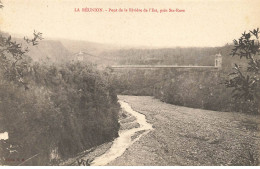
(198, 88)
(203, 56)
(52, 112)
(245, 81)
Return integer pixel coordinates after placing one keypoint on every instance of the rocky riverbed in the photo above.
(188, 136)
(183, 136)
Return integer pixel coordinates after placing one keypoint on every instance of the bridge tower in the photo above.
(218, 60)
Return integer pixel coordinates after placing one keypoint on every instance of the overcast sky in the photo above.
(204, 23)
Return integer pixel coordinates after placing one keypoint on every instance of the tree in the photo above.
(245, 80)
(70, 107)
(1, 5)
(14, 64)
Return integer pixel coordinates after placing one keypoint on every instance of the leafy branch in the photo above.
(246, 82)
(13, 58)
(1, 5)
(35, 40)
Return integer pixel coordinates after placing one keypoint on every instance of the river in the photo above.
(124, 140)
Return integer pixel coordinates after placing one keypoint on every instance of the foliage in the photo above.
(1, 5)
(245, 82)
(13, 61)
(69, 107)
(191, 88)
(51, 111)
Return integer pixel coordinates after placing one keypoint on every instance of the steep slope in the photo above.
(50, 51)
(90, 51)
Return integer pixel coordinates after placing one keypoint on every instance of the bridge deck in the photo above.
(157, 66)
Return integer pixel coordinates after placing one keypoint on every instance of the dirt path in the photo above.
(187, 136)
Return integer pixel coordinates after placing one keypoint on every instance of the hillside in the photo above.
(50, 51)
(90, 52)
(172, 56)
(51, 111)
(94, 48)
(63, 50)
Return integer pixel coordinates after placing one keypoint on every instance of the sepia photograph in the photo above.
(129, 83)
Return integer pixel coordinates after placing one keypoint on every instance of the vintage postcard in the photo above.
(129, 83)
